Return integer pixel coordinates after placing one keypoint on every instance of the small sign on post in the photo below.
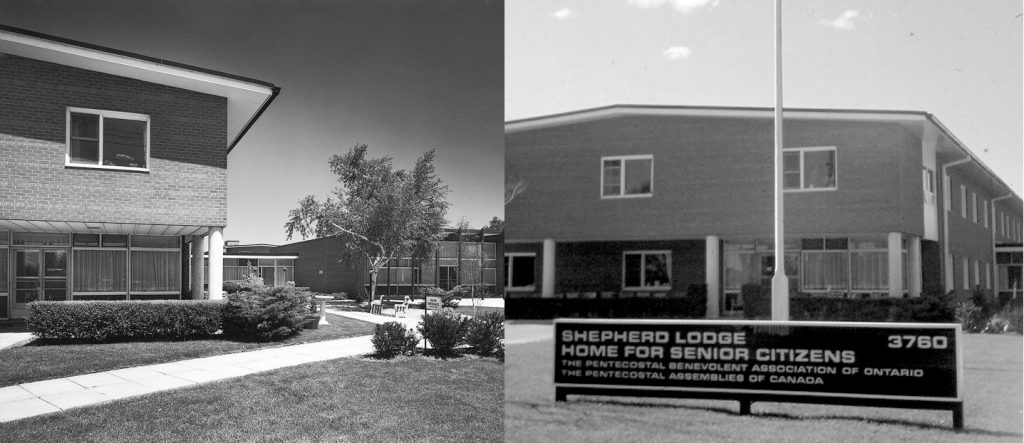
(433, 302)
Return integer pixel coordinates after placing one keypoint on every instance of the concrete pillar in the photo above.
(216, 246)
(895, 264)
(548, 269)
(198, 267)
(914, 266)
(713, 274)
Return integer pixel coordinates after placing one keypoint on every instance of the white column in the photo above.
(216, 247)
(914, 266)
(198, 271)
(548, 269)
(712, 274)
(895, 264)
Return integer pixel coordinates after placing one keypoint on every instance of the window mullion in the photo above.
(622, 177)
(802, 185)
(99, 158)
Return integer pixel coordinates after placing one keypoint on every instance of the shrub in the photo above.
(392, 338)
(123, 320)
(484, 333)
(1008, 320)
(757, 301)
(444, 330)
(266, 313)
(234, 286)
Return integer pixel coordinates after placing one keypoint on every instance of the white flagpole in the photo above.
(780, 283)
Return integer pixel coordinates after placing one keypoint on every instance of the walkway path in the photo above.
(42, 397)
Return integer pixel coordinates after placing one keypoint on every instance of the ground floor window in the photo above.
(519, 271)
(156, 271)
(99, 270)
(643, 270)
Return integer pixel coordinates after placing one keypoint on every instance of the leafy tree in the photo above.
(496, 224)
(380, 212)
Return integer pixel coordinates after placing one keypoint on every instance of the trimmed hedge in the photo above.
(121, 320)
(929, 308)
(693, 305)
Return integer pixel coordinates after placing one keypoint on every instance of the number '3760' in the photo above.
(918, 341)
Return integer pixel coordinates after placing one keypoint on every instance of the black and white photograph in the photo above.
(251, 220)
(763, 220)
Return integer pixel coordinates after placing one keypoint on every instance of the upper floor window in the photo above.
(974, 207)
(963, 201)
(107, 139)
(984, 212)
(928, 176)
(627, 176)
(809, 168)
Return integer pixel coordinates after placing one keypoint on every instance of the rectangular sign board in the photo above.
(893, 361)
(433, 302)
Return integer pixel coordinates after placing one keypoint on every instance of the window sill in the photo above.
(110, 168)
(521, 289)
(612, 197)
(647, 288)
(787, 191)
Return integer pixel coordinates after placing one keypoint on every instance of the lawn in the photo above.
(993, 405)
(35, 362)
(350, 399)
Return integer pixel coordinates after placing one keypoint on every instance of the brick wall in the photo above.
(711, 176)
(187, 178)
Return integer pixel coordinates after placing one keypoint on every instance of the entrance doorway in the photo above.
(39, 274)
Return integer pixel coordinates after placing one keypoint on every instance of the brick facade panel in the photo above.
(187, 179)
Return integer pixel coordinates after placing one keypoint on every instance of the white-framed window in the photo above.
(826, 266)
(928, 178)
(809, 169)
(519, 271)
(984, 213)
(627, 176)
(107, 139)
(974, 207)
(967, 273)
(977, 274)
(963, 201)
(647, 270)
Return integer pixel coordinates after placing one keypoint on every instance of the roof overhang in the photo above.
(615, 111)
(246, 98)
(100, 227)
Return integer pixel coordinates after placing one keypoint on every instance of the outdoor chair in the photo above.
(375, 307)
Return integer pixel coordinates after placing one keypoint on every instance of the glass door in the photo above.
(39, 274)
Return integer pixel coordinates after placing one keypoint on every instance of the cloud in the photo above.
(844, 21)
(563, 14)
(683, 6)
(676, 53)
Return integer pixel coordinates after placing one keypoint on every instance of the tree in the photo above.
(380, 212)
(496, 224)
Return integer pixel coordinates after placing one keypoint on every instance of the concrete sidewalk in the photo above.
(41, 397)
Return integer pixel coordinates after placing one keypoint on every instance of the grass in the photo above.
(993, 406)
(36, 361)
(406, 399)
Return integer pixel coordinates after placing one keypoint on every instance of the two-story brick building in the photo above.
(112, 165)
(628, 201)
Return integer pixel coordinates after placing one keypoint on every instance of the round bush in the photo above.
(392, 338)
(266, 313)
(444, 330)
(485, 333)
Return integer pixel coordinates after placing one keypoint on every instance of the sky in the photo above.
(403, 77)
(956, 59)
